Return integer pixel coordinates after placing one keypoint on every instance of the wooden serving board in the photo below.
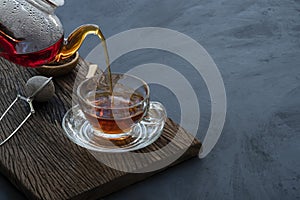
(44, 164)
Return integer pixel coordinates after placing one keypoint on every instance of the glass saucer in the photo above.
(79, 130)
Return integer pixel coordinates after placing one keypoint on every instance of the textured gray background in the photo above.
(256, 45)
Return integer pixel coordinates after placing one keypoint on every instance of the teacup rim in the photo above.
(146, 98)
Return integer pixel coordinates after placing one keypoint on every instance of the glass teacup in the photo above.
(113, 112)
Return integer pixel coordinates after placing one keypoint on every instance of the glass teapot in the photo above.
(31, 35)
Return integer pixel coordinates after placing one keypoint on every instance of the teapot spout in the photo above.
(75, 40)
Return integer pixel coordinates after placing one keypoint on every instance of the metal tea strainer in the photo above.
(29, 101)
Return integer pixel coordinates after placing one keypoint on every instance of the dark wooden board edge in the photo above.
(132, 178)
(99, 192)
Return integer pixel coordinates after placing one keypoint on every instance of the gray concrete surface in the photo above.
(256, 45)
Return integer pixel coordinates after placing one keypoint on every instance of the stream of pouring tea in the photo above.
(104, 45)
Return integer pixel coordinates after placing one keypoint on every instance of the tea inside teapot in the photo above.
(30, 34)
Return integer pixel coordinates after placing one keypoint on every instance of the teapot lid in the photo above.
(57, 2)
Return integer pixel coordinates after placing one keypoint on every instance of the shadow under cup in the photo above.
(113, 115)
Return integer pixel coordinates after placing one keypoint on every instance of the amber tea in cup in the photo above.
(114, 114)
